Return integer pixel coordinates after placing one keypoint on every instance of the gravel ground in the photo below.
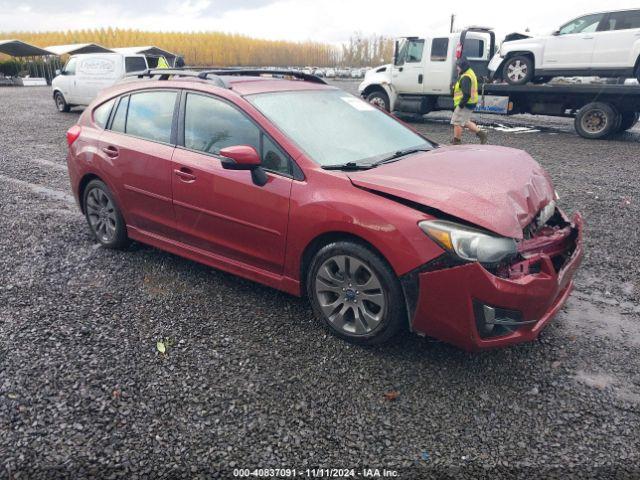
(251, 380)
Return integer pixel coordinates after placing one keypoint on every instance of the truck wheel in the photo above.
(518, 70)
(629, 119)
(61, 103)
(596, 120)
(380, 99)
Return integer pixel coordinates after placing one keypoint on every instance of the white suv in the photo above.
(605, 44)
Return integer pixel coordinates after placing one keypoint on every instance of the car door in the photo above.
(571, 47)
(407, 73)
(614, 43)
(439, 72)
(67, 81)
(220, 211)
(138, 146)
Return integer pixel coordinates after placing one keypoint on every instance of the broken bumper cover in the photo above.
(450, 300)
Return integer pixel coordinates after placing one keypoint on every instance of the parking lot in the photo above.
(251, 380)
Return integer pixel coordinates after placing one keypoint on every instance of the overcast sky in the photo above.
(322, 20)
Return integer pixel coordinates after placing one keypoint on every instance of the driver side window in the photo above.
(586, 24)
(70, 67)
(211, 124)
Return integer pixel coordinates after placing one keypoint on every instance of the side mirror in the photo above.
(58, 71)
(555, 33)
(244, 157)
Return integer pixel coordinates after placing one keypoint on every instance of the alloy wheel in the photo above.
(516, 71)
(350, 295)
(102, 215)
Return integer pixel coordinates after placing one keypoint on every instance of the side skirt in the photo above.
(279, 282)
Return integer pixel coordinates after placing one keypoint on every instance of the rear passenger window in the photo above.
(473, 48)
(211, 124)
(119, 121)
(439, 49)
(624, 20)
(151, 115)
(101, 114)
(135, 64)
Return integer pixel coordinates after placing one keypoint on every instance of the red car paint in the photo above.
(188, 204)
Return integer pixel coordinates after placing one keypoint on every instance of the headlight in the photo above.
(469, 243)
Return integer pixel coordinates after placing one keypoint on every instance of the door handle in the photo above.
(587, 38)
(400, 69)
(111, 151)
(185, 174)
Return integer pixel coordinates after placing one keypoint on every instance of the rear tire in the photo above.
(518, 70)
(61, 102)
(596, 120)
(629, 119)
(103, 216)
(355, 293)
(379, 99)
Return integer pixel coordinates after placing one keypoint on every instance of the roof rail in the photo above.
(252, 72)
(214, 74)
(165, 73)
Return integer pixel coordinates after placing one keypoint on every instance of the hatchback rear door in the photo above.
(222, 212)
(138, 147)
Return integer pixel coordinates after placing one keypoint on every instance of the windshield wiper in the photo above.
(398, 154)
(348, 166)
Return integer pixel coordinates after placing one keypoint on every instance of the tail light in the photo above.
(458, 50)
(73, 133)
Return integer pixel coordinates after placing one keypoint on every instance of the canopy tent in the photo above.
(19, 49)
(16, 48)
(149, 52)
(76, 48)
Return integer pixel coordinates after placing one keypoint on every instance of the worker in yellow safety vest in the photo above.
(465, 99)
(162, 63)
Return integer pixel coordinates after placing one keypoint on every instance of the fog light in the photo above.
(495, 321)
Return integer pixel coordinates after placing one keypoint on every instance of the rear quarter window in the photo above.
(101, 114)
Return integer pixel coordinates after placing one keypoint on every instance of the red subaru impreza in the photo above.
(300, 186)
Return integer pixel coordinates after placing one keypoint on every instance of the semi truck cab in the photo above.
(423, 69)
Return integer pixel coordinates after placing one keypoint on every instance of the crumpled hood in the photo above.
(498, 188)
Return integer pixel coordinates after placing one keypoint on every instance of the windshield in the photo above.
(335, 128)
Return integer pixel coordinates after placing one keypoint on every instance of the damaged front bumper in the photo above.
(473, 308)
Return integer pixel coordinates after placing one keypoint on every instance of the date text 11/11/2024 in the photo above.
(315, 473)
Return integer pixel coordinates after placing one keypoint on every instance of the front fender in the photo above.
(390, 227)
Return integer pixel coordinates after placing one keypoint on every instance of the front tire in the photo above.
(380, 99)
(355, 293)
(518, 70)
(103, 216)
(61, 102)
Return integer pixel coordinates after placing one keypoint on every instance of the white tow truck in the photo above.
(423, 71)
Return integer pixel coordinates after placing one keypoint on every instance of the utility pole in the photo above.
(453, 18)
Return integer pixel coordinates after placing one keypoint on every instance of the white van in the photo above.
(85, 75)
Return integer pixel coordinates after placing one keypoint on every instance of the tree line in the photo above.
(225, 49)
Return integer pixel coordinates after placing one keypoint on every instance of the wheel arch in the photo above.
(326, 238)
(84, 181)
(375, 87)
